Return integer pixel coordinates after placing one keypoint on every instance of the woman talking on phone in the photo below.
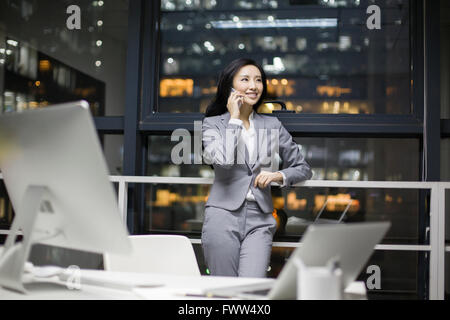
(238, 228)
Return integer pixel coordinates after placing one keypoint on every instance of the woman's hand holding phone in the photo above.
(235, 101)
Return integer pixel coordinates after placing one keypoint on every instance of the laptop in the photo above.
(352, 243)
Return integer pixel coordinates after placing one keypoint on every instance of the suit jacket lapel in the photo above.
(258, 122)
(225, 118)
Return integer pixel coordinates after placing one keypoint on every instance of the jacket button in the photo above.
(250, 173)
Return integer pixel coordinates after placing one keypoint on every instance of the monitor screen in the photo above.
(56, 150)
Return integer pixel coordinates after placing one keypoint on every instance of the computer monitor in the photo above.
(57, 180)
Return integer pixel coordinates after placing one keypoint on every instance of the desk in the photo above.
(173, 287)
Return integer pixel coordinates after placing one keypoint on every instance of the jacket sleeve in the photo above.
(217, 149)
(295, 168)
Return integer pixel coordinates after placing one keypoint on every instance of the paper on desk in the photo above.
(355, 291)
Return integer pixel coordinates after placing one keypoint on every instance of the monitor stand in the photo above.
(14, 255)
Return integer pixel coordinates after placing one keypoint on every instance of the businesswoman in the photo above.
(238, 227)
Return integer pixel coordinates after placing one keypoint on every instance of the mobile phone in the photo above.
(234, 90)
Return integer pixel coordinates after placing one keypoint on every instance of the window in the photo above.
(180, 208)
(6, 210)
(348, 159)
(445, 60)
(113, 152)
(319, 56)
(42, 62)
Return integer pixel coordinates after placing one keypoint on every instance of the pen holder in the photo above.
(318, 283)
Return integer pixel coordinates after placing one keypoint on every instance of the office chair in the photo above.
(169, 254)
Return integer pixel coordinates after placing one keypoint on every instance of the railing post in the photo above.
(123, 199)
(437, 242)
(441, 245)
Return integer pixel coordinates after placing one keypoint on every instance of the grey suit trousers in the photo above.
(238, 243)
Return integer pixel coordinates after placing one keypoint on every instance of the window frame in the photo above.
(153, 120)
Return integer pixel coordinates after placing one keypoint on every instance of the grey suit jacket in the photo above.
(234, 173)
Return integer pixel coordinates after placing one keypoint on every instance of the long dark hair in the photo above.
(218, 105)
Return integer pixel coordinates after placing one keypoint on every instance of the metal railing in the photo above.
(436, 248)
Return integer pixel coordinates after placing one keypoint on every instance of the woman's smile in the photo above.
(252, 95)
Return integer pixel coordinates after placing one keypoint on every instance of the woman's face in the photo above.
(248, 81)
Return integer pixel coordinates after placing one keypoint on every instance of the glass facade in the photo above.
(6, 210)
(346, 159)
(45, 60)
(113, 151)
(445, 114)
(319, 56)
(445, 157)
(445, 59)
(180, 208)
